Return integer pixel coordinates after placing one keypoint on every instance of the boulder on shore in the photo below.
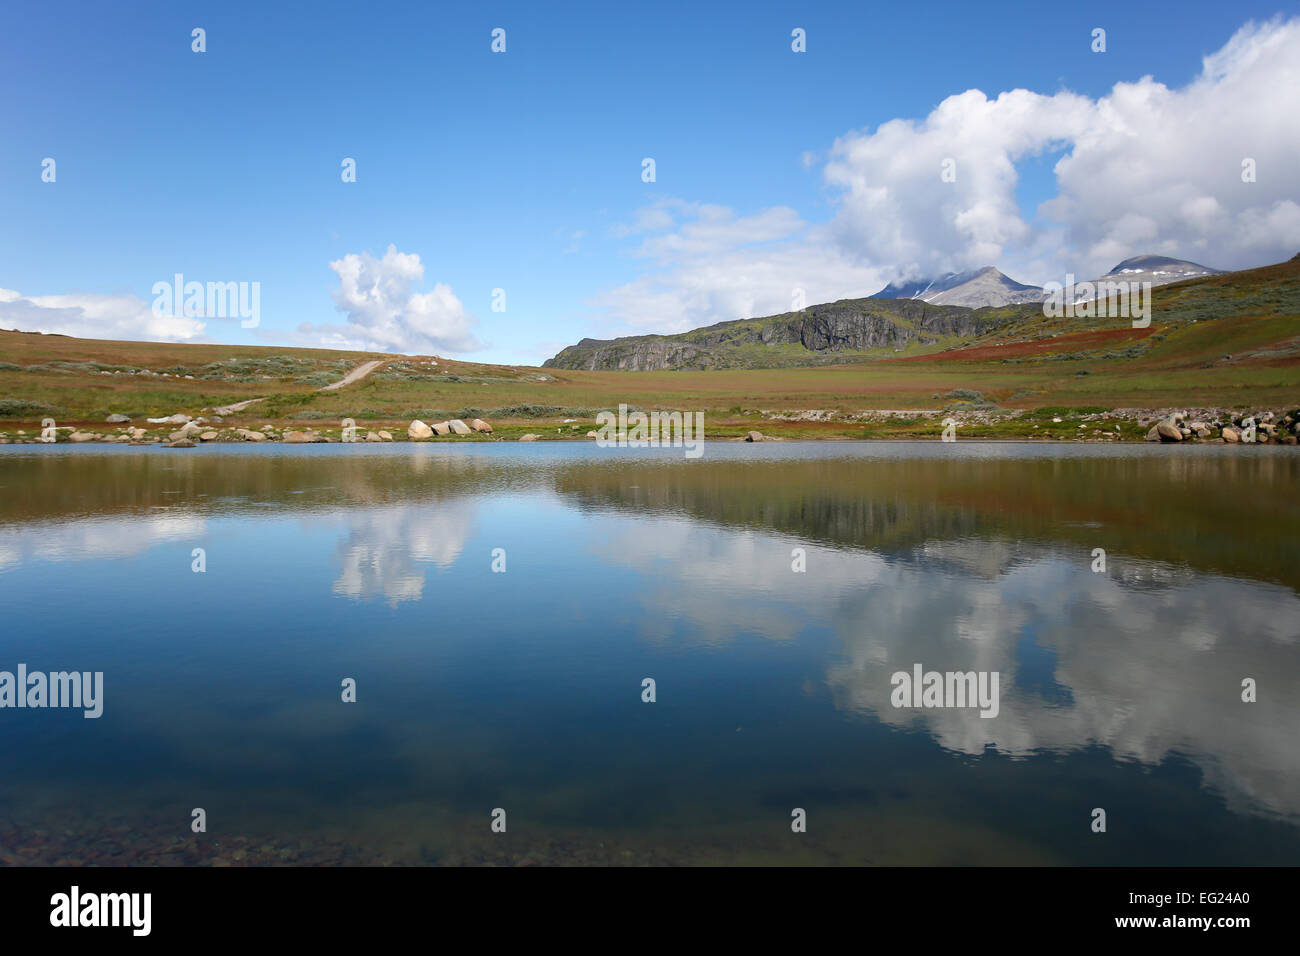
(1168, 431)
(459, 427)
(181, 443)
(418, 429)
(116, 419)
(1231, 435)
(754, 436)
(248, 435)
(385, 436)
(300, 438)
(529, 437)
(480, 426)
(442, 428)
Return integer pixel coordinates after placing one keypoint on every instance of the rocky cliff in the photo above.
(820, 334)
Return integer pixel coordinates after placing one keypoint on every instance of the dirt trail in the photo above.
(356, 375)
(237, 407)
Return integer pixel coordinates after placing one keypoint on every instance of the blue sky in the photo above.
(522, 170)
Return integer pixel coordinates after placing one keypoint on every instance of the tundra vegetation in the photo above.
(1219, 349)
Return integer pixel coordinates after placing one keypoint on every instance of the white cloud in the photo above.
(386, 314)
(92, 316)
(1159, 170)
(896, 209)
(718, 266)
(1144, 169)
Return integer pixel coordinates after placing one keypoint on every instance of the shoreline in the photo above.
(1062, 425)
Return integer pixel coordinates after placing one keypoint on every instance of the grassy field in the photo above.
(1228, 342)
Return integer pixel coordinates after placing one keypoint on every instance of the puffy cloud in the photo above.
(718, 266)
(1160, 170)
(386, 314)
(895, 207)
(94, 316)
(1143, 169)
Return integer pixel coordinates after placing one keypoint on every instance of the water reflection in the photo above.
(775, 681)
(384, 553)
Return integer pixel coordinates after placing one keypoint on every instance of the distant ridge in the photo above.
(946, 312)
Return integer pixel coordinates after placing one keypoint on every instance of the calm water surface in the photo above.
(522, 690)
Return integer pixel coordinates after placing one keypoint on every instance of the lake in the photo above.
(500, 607)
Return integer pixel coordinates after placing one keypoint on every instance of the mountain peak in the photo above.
(1160, 269)
(975, 288)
